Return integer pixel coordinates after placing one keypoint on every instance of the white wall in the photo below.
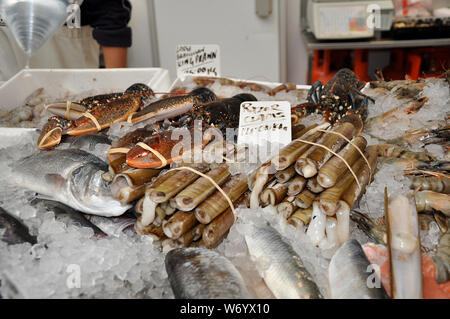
(297, 56)
(140, 53)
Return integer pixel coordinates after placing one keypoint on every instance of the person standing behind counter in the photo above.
(104, 24)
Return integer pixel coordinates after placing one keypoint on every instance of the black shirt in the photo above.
(109, 18)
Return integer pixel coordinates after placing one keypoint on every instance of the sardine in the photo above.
(283, 270)
(204, 274)
(13, 231)
(350, 275)
(67, 215)
(72, 177)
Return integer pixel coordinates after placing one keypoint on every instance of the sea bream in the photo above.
(200, 273)
(282, 269)
(70, 176)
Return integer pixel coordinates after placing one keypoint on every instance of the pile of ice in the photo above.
(68, 261)
(397, 123)
(390, 175)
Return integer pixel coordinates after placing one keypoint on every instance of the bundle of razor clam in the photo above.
(185, 205)
(315, 180)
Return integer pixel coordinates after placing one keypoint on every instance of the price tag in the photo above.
(198, 59)
(262, 121)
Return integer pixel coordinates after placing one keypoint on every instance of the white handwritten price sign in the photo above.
(261, 121)
(198, 59)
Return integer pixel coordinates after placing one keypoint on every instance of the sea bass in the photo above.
(13, 231)
(72, 177)
(204, 274)
(350, 275)
(283, 270)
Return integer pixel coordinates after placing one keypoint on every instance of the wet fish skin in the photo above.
(200, 273)
(70, 176)
(284, 272)
(349, 274)
(67, 215)
(115, 226)
(13, 231)
(89, 141)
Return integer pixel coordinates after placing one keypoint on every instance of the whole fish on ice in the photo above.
(72, 177)
(204, 274)
(283, 272)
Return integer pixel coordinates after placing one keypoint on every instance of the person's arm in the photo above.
(109, 18)
(115, 57)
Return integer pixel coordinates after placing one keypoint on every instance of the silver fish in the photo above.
(72, 177)
(114, 226)
(200, 273)
(350, 275)
(89, 141)
(13, 231)
(67, 215)
(282, 269)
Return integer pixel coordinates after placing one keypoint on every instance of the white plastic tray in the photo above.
(60, 83)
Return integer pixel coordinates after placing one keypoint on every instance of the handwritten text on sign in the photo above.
(265, 120)
(198, 60)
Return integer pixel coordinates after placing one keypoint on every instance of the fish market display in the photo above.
(143, 194)
(202, 273)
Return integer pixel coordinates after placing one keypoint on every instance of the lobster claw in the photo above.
(51, 133)
(164, 148)
(69, 110)
(105, 115)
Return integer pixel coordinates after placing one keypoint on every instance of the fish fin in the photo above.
(39, 197)
(56, 180)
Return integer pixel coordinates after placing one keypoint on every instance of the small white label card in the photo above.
(198, 59)
(261, 121)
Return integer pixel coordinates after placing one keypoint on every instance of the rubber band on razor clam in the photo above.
(92, 114)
